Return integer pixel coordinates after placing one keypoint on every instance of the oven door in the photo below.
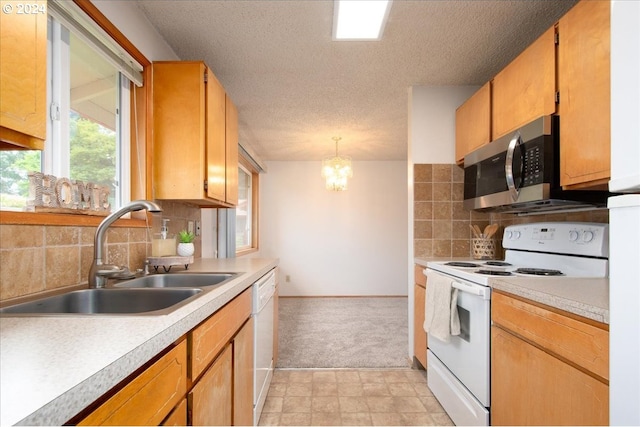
(467, 355)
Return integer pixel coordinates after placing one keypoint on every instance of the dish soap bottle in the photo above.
(163, 244)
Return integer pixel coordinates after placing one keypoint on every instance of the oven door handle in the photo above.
(508, 166)
(478, 290)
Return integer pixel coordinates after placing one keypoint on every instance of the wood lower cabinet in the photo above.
(211, 399)
(195, 142)
(547, 367)
(584, 83)
(243, 375)
(23, 75)
(473, 123)
(525, 89)
(419, 335)
(205, 379)
(148, 398)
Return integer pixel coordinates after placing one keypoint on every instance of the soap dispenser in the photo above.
(163, 243)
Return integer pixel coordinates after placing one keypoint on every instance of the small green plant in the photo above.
(186, 236)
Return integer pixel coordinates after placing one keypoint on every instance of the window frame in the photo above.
(255, 208)
(140, 123)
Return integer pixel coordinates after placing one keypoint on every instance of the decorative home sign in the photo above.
(50, 194)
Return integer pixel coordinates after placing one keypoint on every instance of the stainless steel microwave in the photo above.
(520, 173)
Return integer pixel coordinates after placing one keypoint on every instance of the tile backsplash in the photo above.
(38, 258)
(441, 224)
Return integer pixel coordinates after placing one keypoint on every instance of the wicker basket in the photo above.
(483, 248)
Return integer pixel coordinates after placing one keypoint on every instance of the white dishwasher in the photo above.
(262, 312)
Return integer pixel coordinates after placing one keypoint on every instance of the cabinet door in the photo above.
(179, 130)
(419, 335)
(585, 94)
(232, 152)
(525, 89)
(531, 387)
(23, 75)
(178, 417)
(243, 376)
(210, 400)
(148, 398)
(216, 129)
(473, 123)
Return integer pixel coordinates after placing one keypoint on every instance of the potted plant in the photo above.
(185, 247)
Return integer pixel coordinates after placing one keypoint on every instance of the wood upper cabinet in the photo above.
(23, 76)
(473, 123)
(558, 364)
(525, 89)
(191, 153)
(419, 334)
(585, 96)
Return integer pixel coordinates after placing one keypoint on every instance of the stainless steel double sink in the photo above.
(155, 294)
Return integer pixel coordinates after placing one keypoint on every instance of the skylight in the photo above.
(359, 19)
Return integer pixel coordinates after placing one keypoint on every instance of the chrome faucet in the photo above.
(99, 272)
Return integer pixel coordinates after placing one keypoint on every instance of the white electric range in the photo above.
(459, 370)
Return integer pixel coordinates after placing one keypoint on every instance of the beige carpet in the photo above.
(343, 333)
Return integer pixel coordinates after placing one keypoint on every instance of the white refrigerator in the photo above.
(624, 215)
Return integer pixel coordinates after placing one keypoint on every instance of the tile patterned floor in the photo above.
(351, 397)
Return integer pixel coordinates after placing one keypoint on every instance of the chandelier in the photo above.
(336, 170)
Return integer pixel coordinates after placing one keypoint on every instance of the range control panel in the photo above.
(574, 238)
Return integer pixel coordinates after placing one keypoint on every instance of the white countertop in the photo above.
(585, 297)
(53, 367)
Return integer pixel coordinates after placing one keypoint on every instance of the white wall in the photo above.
(135, 26)
(432, 140)
(336, 243)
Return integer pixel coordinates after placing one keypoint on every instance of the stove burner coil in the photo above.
(539, 272)
(462, 264)
(494, 272)
(497, 263)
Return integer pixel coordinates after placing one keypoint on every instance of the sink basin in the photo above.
(177, 280)
(107, 301)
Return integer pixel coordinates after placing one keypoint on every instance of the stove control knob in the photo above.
(508, 235)
(587, 236)
(516, 235)
(573, 235)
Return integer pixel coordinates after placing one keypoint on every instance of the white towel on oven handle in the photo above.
(441, 308)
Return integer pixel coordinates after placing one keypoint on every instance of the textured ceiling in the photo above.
(295, 88)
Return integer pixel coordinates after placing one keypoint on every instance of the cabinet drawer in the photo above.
(213, 334)
(148, 398)
(584, 344)
(420, 278)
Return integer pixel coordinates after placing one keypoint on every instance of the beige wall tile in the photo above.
(62, 236)
(442, 230)
(22, 272)
(422, 173)
(442, 191)
(422, 192)
(117, 254)
(442, 248)
(459, 212)
(87, 235)
(117, 235)
(457, 192)
(423, 210)
(460, 248)
(423, 248)
(457, 173)
(62, 266)
(442, 210)
(139, 235)
(423, 229)
(86, 259)
(460, 230)
(442, 173)
(21, 236)
(137, 255)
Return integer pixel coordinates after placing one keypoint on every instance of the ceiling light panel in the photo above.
(360, 19)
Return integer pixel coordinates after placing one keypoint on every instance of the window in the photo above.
(247, 209)
(88, 94)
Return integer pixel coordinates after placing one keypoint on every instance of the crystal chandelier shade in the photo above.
(336, 170)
